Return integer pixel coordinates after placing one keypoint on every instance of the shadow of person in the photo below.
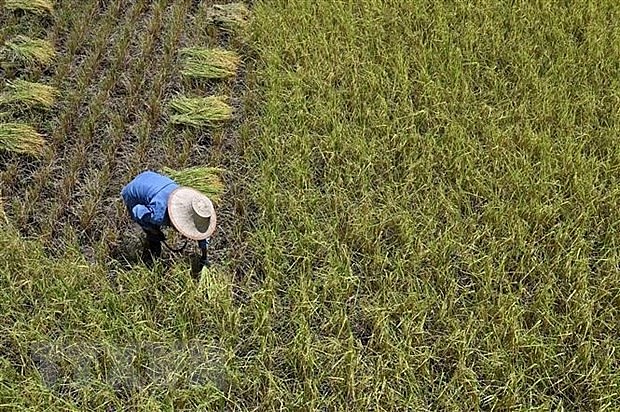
(128, 252)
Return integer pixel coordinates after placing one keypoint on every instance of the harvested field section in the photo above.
(117, 66)
(81, 304)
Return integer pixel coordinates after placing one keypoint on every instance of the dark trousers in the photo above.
(154, 237)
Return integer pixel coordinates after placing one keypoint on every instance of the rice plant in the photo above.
(20, 138)
(202, 178)
(29, 94)
(230, 16)
(200, 111)
(30, 51)
(3, 217)
(40, 7)
(206, 63)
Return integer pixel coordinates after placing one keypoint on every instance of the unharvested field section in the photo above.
(116, 70)
(439, 184)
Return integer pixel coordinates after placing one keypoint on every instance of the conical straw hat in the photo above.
(191, 213)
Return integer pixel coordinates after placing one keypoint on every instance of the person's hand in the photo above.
(197, 264)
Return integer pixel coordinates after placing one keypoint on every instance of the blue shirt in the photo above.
(146, 198)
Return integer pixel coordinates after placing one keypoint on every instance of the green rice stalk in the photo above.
(200, 111)
(40, 7)
(29, 94)
(230, 16)
(204, 179)
(205, 63)
(2, 213)
(20, 138)
(30, 51)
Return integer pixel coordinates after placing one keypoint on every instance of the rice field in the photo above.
(417, 205)
(85, 90)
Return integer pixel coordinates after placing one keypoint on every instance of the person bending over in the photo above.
(155, 201)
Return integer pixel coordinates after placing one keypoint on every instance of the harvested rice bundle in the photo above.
(20, 138)
(29, 51)
(204, 179)
(205, 63)
(230, 16)
(200, 111)
(29, 94)
(40, 7)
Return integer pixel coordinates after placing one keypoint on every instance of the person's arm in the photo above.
(141, 214)
(142, 198)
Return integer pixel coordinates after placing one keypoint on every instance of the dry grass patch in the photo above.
(200, 111)
(29, 94)
(40, 7)
(30, 51)
(199, 62)
(20, 138)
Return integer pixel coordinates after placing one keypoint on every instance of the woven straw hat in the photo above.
(191, 213)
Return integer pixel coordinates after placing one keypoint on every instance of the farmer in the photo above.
(155, 201)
